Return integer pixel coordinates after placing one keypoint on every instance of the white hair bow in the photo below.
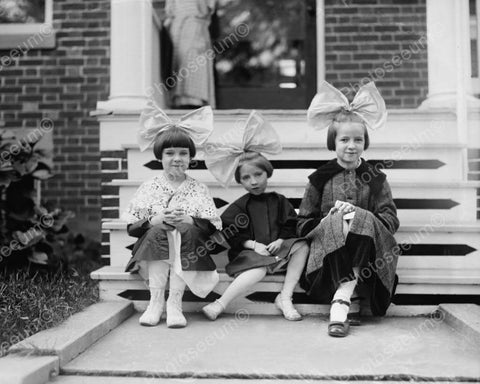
(197, 124)
(368, 104)
(259, 136)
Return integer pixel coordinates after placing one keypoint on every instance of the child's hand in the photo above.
(274, 246)
(177, 216)
(183, 219)
(261, 249)
(160, 219)
(342, 207)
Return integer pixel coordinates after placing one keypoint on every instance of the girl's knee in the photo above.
(155, 233)
(303, 247)
(184, 228)
(260, 270)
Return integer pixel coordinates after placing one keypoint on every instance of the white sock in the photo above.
(338, 311)
(175, 318)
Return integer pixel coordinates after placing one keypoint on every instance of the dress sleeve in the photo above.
(236, 224)
(138, 228)
(385, 209)
(309, 214)
(139, 207)
(288, 228)
(208, 210)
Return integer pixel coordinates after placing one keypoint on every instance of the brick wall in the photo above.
(64, 84)
(384, 41)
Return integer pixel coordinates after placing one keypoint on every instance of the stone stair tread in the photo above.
(276, 183)
(315, 146)
(148, 380)
(118, 224)
(244, 346)
(75, 334)
(415, 276)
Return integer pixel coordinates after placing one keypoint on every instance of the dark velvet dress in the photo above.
(369, 243)
(264, 218)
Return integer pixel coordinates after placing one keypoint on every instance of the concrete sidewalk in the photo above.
(104, 344)
(268, 347)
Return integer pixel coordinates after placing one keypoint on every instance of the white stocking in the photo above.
(338, 311)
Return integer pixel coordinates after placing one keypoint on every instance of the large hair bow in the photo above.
(222, 159)
(197, 124)
(368, 104)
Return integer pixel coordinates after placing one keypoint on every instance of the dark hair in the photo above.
(174, 137)
(345, 117)
(256, 159)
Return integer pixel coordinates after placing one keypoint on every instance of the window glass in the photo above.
(268, 51)
(22, 11)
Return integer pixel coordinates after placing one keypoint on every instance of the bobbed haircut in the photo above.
(174, 137)
(256, 159)
(345, 116)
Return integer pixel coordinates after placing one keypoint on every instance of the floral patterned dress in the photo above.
(187, 248)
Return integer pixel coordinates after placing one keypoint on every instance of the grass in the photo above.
(32, 300)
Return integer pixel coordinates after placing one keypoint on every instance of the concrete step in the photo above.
(412, 161)
(146, 380)
(77, 333)
(245, 346)
(434, 234)
(438, 258)
(452, 201)
(413, 279)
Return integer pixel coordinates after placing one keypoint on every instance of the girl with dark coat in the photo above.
(265, 240)
(348, 213)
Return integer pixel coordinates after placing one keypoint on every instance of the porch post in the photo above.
(320, 6)
(130, 55)
(446, 40)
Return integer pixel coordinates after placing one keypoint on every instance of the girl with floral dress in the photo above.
(172, 215)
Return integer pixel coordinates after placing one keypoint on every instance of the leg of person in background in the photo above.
(238, 287)
(295, 267)
(157, 281)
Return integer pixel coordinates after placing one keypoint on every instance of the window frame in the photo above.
(16, 35)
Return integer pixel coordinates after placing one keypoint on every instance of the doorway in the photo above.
(265, 53)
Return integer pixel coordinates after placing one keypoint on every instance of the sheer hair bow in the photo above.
(222, 159)
(368, 104)
(198, 125)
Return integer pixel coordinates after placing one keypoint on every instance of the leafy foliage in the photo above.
(30, 231)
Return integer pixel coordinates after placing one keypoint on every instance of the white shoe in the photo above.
(153, 313)
(175, 318)
(287, 308)
(213, 310)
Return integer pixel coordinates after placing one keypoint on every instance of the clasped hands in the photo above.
(169, 218)
(265, 249)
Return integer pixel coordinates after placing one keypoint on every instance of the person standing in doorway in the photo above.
(188, 22)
